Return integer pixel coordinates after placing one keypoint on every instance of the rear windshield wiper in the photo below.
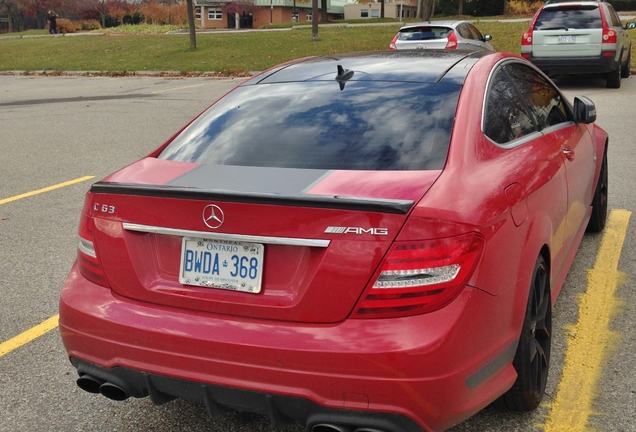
(553, 28)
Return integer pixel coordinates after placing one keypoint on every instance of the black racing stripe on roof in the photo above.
(310, 201)
(251, 179)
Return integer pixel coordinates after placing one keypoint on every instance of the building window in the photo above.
(295, 16)
(309, 17)
(364, 13)
(215, 14)
(197, 13)
(375, 13)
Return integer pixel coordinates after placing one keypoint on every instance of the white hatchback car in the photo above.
(448, 35)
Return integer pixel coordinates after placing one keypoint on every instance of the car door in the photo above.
(536, 188)
(464, 37)
(554, 119)
(478, 38)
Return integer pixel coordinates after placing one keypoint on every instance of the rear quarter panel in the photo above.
(470, 196)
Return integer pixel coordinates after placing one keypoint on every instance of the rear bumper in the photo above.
(280, 409)
(575, 65)
(430, 371)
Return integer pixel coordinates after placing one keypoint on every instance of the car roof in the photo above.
(425, 66)
(445, 23)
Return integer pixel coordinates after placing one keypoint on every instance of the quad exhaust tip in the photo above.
(113, 392)
(89, 383)
(92, 384)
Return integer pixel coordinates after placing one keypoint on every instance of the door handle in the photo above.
(569, 153)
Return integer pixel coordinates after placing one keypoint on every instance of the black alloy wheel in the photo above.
(532, 359)
(599, 202)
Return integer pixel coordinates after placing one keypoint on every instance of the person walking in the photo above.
(52, 22)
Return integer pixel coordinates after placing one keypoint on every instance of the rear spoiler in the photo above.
(378, 205)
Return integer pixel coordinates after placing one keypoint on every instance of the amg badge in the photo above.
(357, 230)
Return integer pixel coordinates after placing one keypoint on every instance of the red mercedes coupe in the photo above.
(363, 242)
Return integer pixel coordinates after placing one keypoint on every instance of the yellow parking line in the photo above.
(591, 339)
(29, 335)
(46, 189)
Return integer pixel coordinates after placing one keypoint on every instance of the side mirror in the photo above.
(630, 25)
(584, 110)
(489, 37)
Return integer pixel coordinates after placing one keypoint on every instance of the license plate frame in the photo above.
(222, 264)
(567, 39)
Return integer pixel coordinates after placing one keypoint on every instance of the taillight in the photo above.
(526, 39)
(392, 44)
(88, 260)
(420, 277)
(452, 41)
(609, 35)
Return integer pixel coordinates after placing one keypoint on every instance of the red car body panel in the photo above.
(356, 354)
(298, 337)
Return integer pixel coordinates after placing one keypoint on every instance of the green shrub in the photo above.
(87, 25)
(523, 7)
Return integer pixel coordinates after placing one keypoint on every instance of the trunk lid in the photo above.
(567, 43)
(316, 236)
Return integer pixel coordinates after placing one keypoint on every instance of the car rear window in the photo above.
(571, 16)
(368, 125)
(423, 33)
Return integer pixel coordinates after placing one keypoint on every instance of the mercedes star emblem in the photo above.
(213, 216)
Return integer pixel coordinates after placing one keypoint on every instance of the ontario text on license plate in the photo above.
(230, 265)
(567, 39)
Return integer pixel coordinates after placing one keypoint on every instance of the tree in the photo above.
(314, 20)
(323, 12)
(99, 6)
(193, 34)
(11, 9)
(425, 9)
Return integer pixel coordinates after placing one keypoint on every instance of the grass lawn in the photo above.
(223, 53)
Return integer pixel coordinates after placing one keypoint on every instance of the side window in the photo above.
(506, 116)
(464, 31)
(614, 18)
(476, 33)
(544, 100)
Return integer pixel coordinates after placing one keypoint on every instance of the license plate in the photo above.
(567, 39)
(230, 265)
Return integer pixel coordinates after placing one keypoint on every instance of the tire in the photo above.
(613, 78)
(532, 359)
(626, 68)
(599, 201)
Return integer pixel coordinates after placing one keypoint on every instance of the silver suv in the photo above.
(579, 38)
